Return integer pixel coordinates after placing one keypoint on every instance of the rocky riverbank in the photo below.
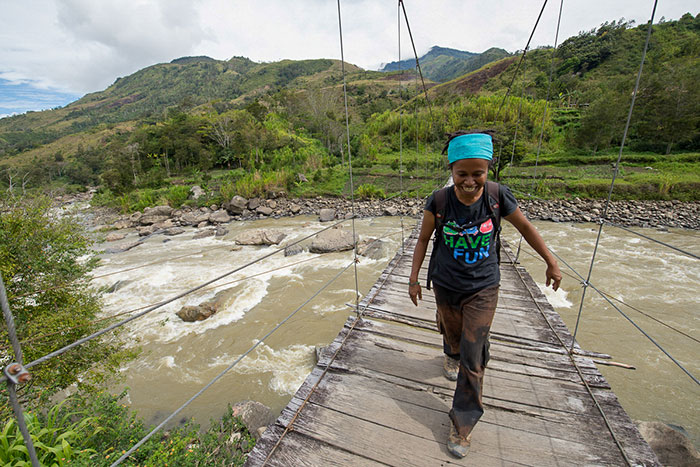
(652, 214)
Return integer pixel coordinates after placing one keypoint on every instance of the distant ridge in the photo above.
(443, 64)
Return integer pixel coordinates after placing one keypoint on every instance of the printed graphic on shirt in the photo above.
(468, 244)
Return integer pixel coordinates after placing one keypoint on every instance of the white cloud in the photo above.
(84, 45)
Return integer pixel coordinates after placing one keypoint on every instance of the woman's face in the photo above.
(469, 175)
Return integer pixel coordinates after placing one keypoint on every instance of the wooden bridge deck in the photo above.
(377, 395)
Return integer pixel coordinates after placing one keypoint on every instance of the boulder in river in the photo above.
(204, 234)
(162, 210)
(114, 236)
(219, 217)
(372, 248)
(669, 445)
(201, 312)
(326, 215)
(254, 415)
(260, 237)
(332, 240)
(237, 205)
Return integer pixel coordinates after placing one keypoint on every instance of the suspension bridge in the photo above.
(378, 396)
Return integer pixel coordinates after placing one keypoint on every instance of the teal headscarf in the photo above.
(474, 146)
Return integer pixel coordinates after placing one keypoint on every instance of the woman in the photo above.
(465, 272)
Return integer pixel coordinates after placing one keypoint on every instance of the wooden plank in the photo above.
(378, 397)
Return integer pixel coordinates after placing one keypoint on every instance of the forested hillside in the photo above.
(266, 123)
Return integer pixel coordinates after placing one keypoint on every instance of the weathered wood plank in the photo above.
(378, 397)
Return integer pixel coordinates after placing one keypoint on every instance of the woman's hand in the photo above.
(414, 291)
(553, 275)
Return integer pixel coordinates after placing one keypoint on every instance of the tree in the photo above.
(47, 281)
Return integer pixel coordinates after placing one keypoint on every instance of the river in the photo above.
(179, 358)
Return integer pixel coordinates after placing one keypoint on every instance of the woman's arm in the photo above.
(533, 238)
(426, 230)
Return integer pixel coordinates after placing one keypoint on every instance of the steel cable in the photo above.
(165, 302)
(612, 297)
(617, 164)
(588, 284)
(226, 370)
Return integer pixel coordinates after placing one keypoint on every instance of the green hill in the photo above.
(442, 64)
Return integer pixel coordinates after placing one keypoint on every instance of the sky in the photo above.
(53, 52)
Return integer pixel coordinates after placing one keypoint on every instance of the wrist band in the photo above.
(413, 283)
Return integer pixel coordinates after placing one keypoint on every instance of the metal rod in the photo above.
(11, 391)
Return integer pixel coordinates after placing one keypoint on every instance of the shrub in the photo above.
(369, 191)
(176, 195)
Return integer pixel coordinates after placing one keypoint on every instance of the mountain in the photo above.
(442, 64)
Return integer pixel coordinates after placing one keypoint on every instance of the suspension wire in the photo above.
(522, 57)
(415, 54)
(549, 87)
(165, 302)
(619, 300)
(347, 130)
(573, 361)
(358, 319)
(163, 260)
(122, 313)
(617, 164)
(400, 121)
(425, 89)
(106, 318)
(11, 390)
(588, 284)
(227, 369)
(620, 226)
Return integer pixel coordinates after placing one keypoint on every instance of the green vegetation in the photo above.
(96, 430)
(46, 275)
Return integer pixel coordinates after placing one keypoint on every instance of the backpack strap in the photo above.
(494, 204)
(440, 208)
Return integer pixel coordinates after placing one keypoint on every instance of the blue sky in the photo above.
(55, 51)
(18, 97)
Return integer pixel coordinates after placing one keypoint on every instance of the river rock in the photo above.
(146, 230)
(219, 217)
(190, 314)
(253, 204)
(669, 445)
(122, 224)
(166, 224)
(326, 215)
(259, 237)
(117, 285)
(390, 211)
(254, 415)
(372, 248)
(204, 234)
(221, 230)
(237, 205)
(196, 192)
(174, 231)
(135, 217)
(202, 224)
(332, 240)
(148, 219)
(294, 208)
(194, 218)
(162, 210)
(114, 236)
(264, 210)
(293, 250)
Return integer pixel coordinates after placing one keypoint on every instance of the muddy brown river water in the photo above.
(179, 358)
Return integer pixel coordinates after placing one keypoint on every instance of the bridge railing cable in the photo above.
(622, 302)
(165, 302)
(617, 165)
(228, 368)
(587, 283)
